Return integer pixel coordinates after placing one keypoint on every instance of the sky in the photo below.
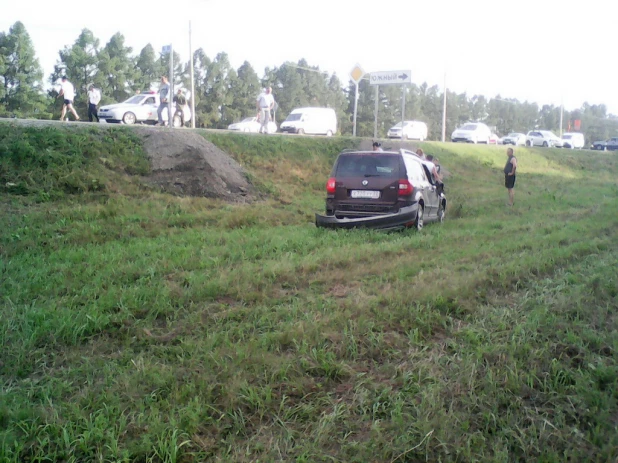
(543, 51)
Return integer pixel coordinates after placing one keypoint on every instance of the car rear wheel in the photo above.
(129, 118)
(300, 132)
(418, 223)
(329, 133)
(545, 145)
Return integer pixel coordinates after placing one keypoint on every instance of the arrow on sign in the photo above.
(403, 76)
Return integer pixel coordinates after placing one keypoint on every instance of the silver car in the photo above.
(543, 138)
(514, 138)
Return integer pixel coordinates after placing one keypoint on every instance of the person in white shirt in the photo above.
(94, 97)
(68, 92)
(265, 103)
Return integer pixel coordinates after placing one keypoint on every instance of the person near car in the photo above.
(510, 170)
(181, 103)
(265, 103)
(67, 92)
(164, 94)
(94, 97)
(434, 168)
(377, 146)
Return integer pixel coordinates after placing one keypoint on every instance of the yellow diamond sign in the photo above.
(357, 73)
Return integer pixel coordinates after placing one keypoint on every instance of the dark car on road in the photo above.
(385, 190)
(610, 144)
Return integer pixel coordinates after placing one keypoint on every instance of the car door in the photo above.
(146, 110)
(418, 179)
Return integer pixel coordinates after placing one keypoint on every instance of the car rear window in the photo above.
(368, 165)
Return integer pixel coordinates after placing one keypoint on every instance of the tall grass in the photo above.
(184, 329)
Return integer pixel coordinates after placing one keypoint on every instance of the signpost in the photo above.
(390, 78)
(356, 74)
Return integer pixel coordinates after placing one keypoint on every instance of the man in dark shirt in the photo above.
(509, 174)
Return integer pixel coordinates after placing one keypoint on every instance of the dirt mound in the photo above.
(187, 164)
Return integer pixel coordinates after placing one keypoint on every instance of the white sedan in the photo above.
(251, 124)
(140, 108)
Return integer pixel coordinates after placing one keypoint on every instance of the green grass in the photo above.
(164, 329)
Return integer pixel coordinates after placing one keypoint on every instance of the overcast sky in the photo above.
(545, 51)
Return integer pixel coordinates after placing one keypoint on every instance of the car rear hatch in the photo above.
(367, 184)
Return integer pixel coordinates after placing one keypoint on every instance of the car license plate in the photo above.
(370, 194)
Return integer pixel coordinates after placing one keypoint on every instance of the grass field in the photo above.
(141, 327)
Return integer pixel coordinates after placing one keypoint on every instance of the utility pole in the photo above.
(355, 107)
(170, 95)
(444, 113)
(403, 107)
(191, 75)
(375, 122)
(561, 113)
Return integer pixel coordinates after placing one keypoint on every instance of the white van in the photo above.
(573, 140)
(414, 130)
(322, 121)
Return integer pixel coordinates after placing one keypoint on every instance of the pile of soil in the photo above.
(186, 164)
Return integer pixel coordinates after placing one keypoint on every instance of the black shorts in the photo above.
(68, 102)
(509, 181)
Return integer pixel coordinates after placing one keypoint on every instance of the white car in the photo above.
(543, 138)
(514, 138)
(472, 132)
(251, 124)
(573, 140)
(140, 108)
(412, 130)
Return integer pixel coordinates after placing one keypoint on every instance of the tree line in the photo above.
(224, 95)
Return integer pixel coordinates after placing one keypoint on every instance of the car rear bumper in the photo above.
(405, 217)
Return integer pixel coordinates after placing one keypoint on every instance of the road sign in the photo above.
(166, 49)
(357, 73)
(390, 77)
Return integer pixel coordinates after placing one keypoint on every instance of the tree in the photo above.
(117, 74)
(247, 88)
(80, 64)
(148, 69)
(21, 74)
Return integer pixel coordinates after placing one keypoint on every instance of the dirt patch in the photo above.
(186, 164)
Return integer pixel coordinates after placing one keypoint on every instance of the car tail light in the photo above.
(405, 187)
(330, 185)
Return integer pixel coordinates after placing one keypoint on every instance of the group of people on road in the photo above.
(67, 92)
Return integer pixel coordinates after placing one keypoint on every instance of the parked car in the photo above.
(543, 138)
(412, 130)
(140, 108)
(611, 144)
(573, 140)
(251, 124)
(515, 138)
(385, 190)
(319, 121)
(472, 132)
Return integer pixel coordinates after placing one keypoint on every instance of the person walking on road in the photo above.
(510, 170)
(265, 103)
(164, 94)
(67, 91)
(94, 97)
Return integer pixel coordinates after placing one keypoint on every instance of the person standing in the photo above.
(67, 91)
(164, 94)
(265, 103)
(510, 170)
(181, 103)
(94, 97)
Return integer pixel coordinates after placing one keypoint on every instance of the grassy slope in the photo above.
(152, 328)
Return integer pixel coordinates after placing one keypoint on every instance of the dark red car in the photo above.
(381, 189)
